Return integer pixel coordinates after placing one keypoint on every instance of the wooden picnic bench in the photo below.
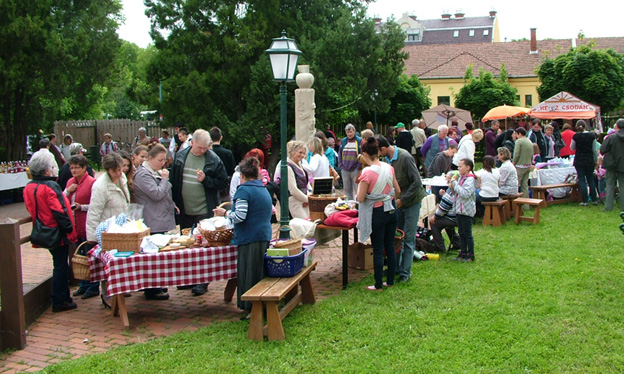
(268, 293)
(540, 193)
(495, 212)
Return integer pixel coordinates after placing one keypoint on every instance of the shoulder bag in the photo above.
(42, 235)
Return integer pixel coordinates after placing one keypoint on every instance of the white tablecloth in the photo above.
(555, 176)
(11, 181)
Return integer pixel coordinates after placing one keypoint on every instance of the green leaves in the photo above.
(588, 73)
(484, 92)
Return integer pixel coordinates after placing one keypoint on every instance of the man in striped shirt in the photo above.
(444, 219)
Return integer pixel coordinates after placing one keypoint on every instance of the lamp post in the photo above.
(284, 55)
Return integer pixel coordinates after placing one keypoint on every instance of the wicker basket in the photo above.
(124, 242)
(80, 265)
(294, 244)
(219, 237)
(318, 204)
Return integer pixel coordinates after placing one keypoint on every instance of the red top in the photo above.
(82, 195)
(48, 207)
(566, 136)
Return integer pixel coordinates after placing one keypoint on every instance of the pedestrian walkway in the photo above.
(90, 329)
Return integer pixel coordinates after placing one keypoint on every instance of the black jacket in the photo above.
(216, 179)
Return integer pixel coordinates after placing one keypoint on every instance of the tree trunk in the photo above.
(16, 128)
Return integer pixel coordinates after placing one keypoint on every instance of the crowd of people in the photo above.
(183, 179)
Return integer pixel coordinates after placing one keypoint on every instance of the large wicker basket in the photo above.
(80, 265)
(318, 204)
(294, 244)
(124, 242)
(219, 237)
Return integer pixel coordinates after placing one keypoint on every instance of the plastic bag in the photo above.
(135, 212)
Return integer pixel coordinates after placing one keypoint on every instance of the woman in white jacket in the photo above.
(109, 194)
(466, 147)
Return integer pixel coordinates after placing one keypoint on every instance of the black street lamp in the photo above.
(284, 55)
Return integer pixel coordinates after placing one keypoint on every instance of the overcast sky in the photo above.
(553, 19)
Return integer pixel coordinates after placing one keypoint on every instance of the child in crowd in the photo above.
(139, 155)
(537, 157)
(465, 207)
(488, 179)
(600, 174)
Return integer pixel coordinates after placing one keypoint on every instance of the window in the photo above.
(456, 34)
(471, 33)
(518, 98)
(486, 32)
(528, 100)
(444, 100)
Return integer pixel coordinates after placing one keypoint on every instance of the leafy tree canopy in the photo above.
(52, 54)
(411, 99)
(215, 71)
(483, 93)
(594, 75)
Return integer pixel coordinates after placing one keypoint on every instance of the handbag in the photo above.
(42, 235)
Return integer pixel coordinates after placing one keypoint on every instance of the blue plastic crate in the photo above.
(286, 266)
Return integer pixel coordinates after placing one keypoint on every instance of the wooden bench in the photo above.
(494, 212)
(509, 211)
(267, 294)
(540, 193)
(536, 203)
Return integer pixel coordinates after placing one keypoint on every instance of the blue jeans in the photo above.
(586, 177)
(464, 225)
(384, 226)
(60, 275)
(408, 221)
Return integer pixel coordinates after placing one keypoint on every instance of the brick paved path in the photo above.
(56, 337)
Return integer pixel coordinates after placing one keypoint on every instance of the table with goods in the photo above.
(13, 174)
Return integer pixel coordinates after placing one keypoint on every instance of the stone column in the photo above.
(304, 105)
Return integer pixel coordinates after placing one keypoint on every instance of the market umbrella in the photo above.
(504, 111)
(443, 114)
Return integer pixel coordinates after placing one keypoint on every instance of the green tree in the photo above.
(484, 92)
(215, 70)
(411, 99)
(52, 53)
(594, 75)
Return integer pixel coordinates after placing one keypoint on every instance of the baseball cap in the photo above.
(399, 125)
(75, 148)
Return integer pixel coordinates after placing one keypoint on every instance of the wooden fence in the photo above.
(91, 132)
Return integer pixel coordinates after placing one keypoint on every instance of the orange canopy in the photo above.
(564, 105)
(504, 111)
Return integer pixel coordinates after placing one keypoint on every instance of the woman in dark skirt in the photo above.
(251, 216)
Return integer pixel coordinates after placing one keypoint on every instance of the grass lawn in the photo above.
(539, 299)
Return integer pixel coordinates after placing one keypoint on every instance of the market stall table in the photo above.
(554, 176)
(345, 248)
(10, 181)
(182, 267)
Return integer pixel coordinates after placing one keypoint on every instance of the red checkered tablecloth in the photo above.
(164, 269)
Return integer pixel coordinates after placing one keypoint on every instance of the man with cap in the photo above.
(64, 172)
(404, 138)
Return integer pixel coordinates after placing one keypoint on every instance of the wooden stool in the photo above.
(536, 203)
(509, 211)
(494, 212)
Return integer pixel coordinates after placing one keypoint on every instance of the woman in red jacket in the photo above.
(45, 201)
(79, 193)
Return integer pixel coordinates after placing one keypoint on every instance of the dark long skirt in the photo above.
(250, 269)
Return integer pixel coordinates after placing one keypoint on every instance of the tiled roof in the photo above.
(617, 43)
(451, 60)
(455, 23)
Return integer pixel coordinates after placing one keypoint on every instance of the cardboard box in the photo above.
(360, 256)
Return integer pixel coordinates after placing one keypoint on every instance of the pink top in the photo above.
(370, 177)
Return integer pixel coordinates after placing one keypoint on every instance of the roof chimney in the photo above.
(492, 13)
(446, 16)
(459, 15)
(533, 41)
(413, 17)
(377, 20)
